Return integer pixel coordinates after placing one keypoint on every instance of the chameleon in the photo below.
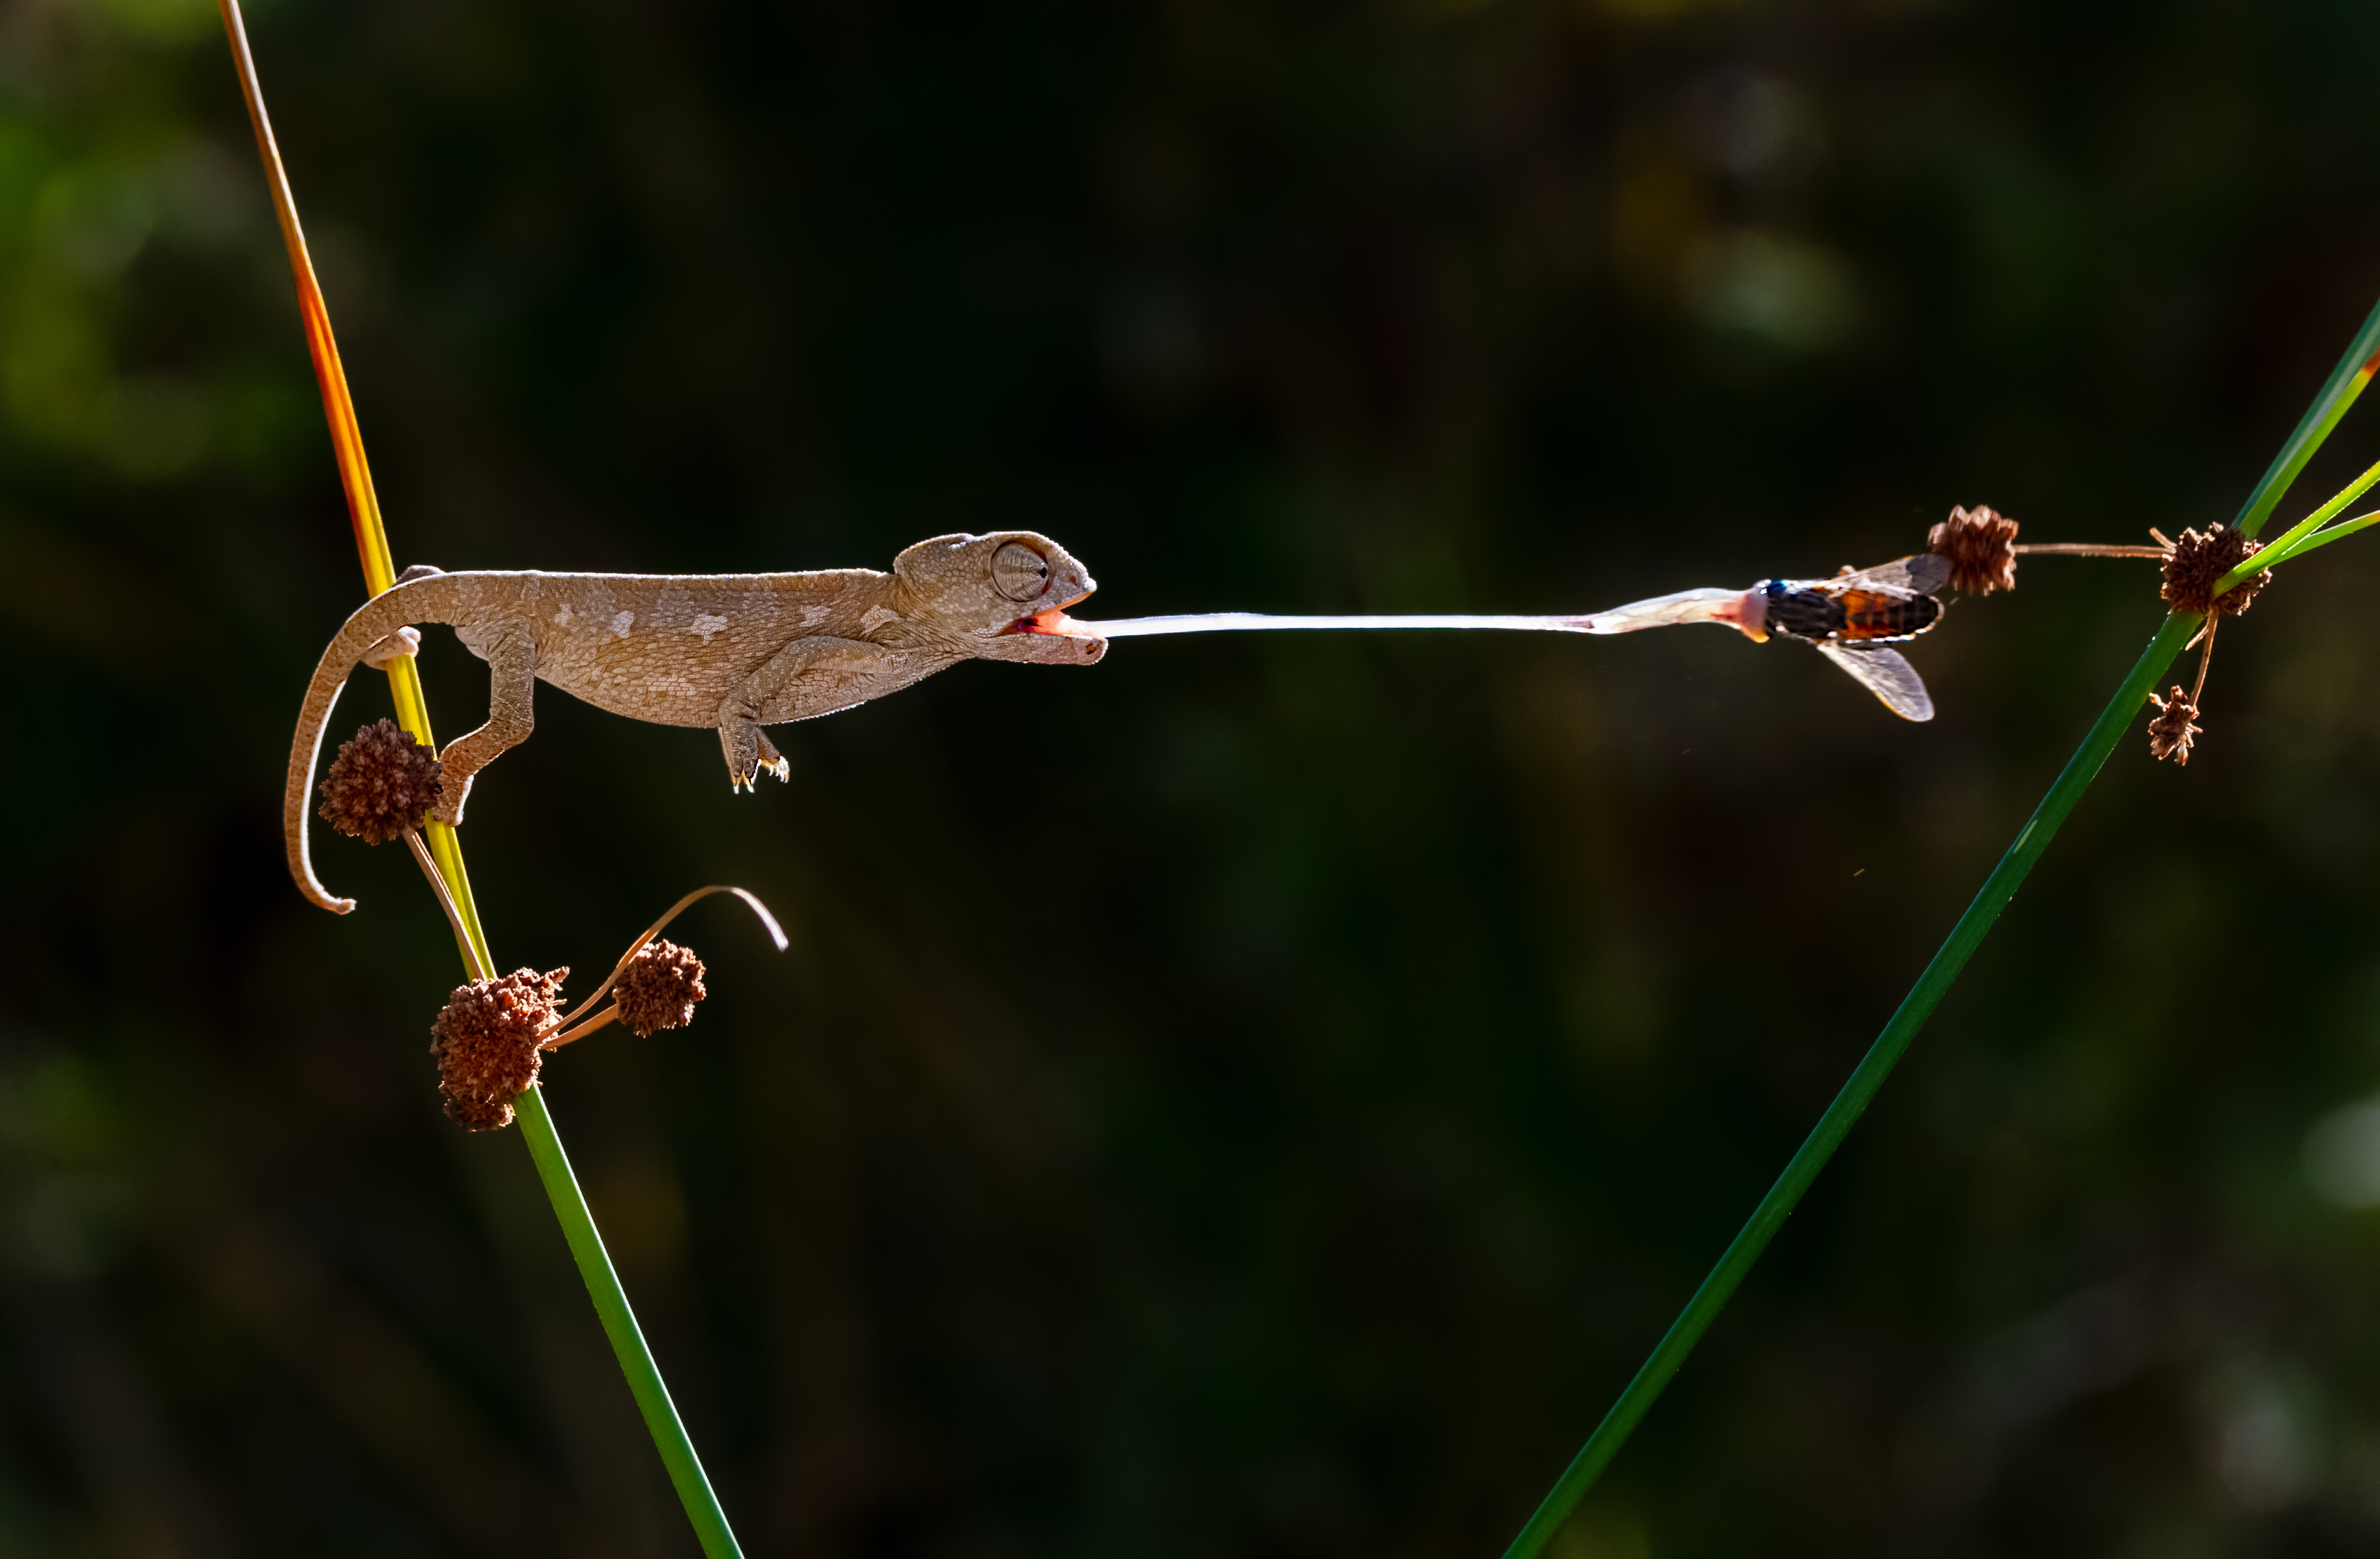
(732, 651)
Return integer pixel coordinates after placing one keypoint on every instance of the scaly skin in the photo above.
(732, 651)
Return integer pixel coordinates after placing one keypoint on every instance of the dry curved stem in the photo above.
(1981, 546)
(2087, 550)
(604, 1019)
(2205, 633)
(2175, 729)
(446, 902)
(768, 922)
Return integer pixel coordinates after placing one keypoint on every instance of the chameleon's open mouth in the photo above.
(1055, 622)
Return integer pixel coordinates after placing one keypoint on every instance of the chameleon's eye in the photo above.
(1018, 571)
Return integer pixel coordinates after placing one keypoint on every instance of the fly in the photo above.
(1853, 619)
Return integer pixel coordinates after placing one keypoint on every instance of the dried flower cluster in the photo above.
(2198, 562)
(382, 784)
(486, 1039)
(1980, 547)
(659, 989)
(2171, 732)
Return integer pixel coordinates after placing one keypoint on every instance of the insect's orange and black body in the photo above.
(1804, 609)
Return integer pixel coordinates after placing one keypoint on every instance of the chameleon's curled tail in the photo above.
(434, 599)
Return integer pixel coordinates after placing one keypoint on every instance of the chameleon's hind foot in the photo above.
(750, 752)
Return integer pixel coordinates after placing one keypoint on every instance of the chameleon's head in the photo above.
(1004, 596)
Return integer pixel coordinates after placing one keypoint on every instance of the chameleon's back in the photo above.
(669, 647)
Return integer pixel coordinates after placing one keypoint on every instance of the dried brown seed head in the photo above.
(1980, 547)
(486, 1039)
(2171, 732)
(2198, 562)
(659, 989)
(382, 784)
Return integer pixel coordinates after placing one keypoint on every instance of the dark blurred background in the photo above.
(1261, 1097)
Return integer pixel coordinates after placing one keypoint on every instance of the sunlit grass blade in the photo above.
(2346, 382)
(2286, 545)
(2325, 539)
(610, 1299)
(2354, 370)
(338, 406)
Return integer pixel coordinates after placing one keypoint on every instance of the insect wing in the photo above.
(1928, 572)
(1922, 572)
(1884, 672)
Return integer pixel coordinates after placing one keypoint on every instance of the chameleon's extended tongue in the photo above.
(1237, 622)
(1724, 606)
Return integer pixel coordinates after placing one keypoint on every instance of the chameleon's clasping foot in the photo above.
(402, 645)
(772, 760)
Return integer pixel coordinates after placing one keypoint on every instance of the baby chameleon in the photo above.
(736, 651)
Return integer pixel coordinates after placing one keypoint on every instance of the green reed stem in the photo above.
(1866, 1079)
(644, 1383)
(636, 1364)
(2346, 382)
